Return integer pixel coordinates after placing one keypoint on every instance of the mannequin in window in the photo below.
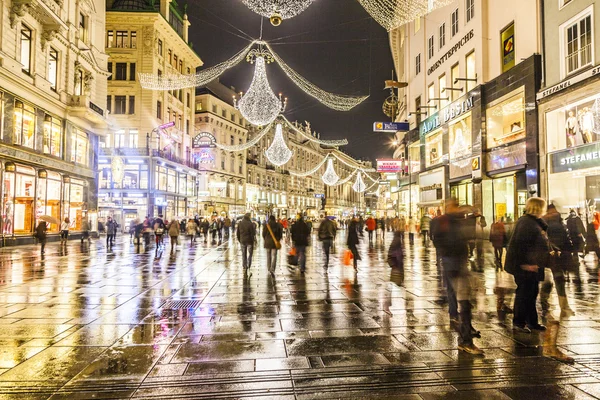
(433, 156)
(586, 123)
(572, 127)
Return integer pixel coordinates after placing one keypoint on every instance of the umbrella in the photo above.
(50, 219)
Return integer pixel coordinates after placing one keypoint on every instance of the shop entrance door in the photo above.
(500, 199)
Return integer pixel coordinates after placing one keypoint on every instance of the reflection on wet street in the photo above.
(84, 322)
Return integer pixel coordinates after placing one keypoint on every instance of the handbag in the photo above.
(348, 256)
(277, 242)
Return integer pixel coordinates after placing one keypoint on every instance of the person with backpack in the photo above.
(326, 234)
(300, 234)
(174, 230)
(272, 235)
(246, 235)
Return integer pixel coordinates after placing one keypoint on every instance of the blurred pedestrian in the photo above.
(402, 227)
(326, 234)
(498, 240)
(425, 225)
(85, 230)
(64, 230)
(452, 242)
(272, 242)
(40, 234)
(527, 255)
(300, 233)
(192, 228)
(412, 229)
(395, 256)
(371, 226)
(354, 235)
(111, 230)
(246, 235)
(227, 226)
(560, 262)
(174, 230)
(433, 230)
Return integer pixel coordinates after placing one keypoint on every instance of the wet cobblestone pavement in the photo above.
(83, 322)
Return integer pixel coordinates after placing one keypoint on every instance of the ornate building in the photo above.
(146, 164)
(52, 90)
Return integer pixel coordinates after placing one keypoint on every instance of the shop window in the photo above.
(182, 184)
(83, 27)
(159, 110)
(454, 73)
(460, 138)
(26, 49)
(53, 68)
(110, 39)
(109, 67)
(24, 124)
(414, 157)
(574, 125)
(159, 48)
(143, 176)
(121, 71)
(75, 207)
(22, 206)
(48, 197)
(442, 35)
(454, 19)
(131, 105)
(79, 147)
(171, 180)
(119, 139)
(505, 120)
(120, 104)
(434, 149)
(577, 46)
(52, 136)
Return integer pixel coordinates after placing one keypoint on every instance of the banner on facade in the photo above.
(391, 127)
(204, 140)
(389, 166)
(508, 47)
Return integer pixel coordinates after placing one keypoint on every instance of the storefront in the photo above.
(572, 145)
(433, 190)
(510, 145)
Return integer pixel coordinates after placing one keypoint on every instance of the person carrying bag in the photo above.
(272, 238)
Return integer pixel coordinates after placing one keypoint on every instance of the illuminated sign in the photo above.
(204, 156)
(389, 165)
(576, 158)
(391, 127)
(204, 140)
(452, 111)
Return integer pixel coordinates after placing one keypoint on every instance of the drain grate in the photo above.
(181, 304)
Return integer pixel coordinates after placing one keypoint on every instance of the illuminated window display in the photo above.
(414, 153)
(24, 124)
(506, 120)
(52, 136)
(434, 149)
(79, 147)
(574, 125)
(460, 138)
(48, 197)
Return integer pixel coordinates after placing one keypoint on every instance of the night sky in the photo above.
(334, 44)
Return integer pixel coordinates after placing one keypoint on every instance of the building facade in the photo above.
(472, 74)
(145, 164)
(569, 107)
(222, 177)
(52, 90)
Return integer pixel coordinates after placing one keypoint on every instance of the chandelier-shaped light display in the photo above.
(392, 14)
(260, 106)
(285, 9)
(359, 185)
(330, 177)
(278, 153)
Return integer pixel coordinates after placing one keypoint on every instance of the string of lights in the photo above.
(392, 14)
(329, 143)
(182, 81)
(312, 171)
(352, 166)
(331, 100)
(247, 145)
(284, 8)
(278, 153)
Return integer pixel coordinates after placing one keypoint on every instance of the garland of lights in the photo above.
(247, 145)
(278, 153)
(260, 106)
(330, 177)
(371, 187)
(359, 185)
(202, 78)
(392, 14)
(353, 166)
(285, 9)
(329, 143)
(312, 171)
(331, 100)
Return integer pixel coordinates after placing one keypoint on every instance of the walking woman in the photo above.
(562, 260)
(527, 255)
(174, 231)
(354, 240)
(272, 241)
(64, 230)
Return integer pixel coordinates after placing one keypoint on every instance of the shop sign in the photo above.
(450, 52)
(204, 140)
(203, 193)
(167, 125)
(576, 158)
(568, 82)
(508, 47)
(389, 166)
(476, 167)
(454, 110)
(319, 196)
(391, 127)
(204, 156)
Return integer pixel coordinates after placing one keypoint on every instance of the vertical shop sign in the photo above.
(507, 41)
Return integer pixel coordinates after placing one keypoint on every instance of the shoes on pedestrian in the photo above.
(475, 333)
(537, 327)
(470, 349)
(506, 309)
(521, 329)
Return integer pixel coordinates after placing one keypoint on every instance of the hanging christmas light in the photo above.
(359, 185)
(329, 143)
(260, 106)
(278, 153)
(330, 177)
(277, 10)
(392, 14)
(248, 144)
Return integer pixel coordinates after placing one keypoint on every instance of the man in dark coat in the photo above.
(246, 235)
(576, 231)
(354, 235)
(272, 235)
(327, 230)
(300, 233)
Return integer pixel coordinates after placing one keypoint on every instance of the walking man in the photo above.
(272, 235)
(327, 231)
(371, 226)
(111, 230)
(246, 235)
(300, 233)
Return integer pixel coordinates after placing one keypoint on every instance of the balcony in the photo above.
(48, 12)
(171, 157)
(81, 106)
